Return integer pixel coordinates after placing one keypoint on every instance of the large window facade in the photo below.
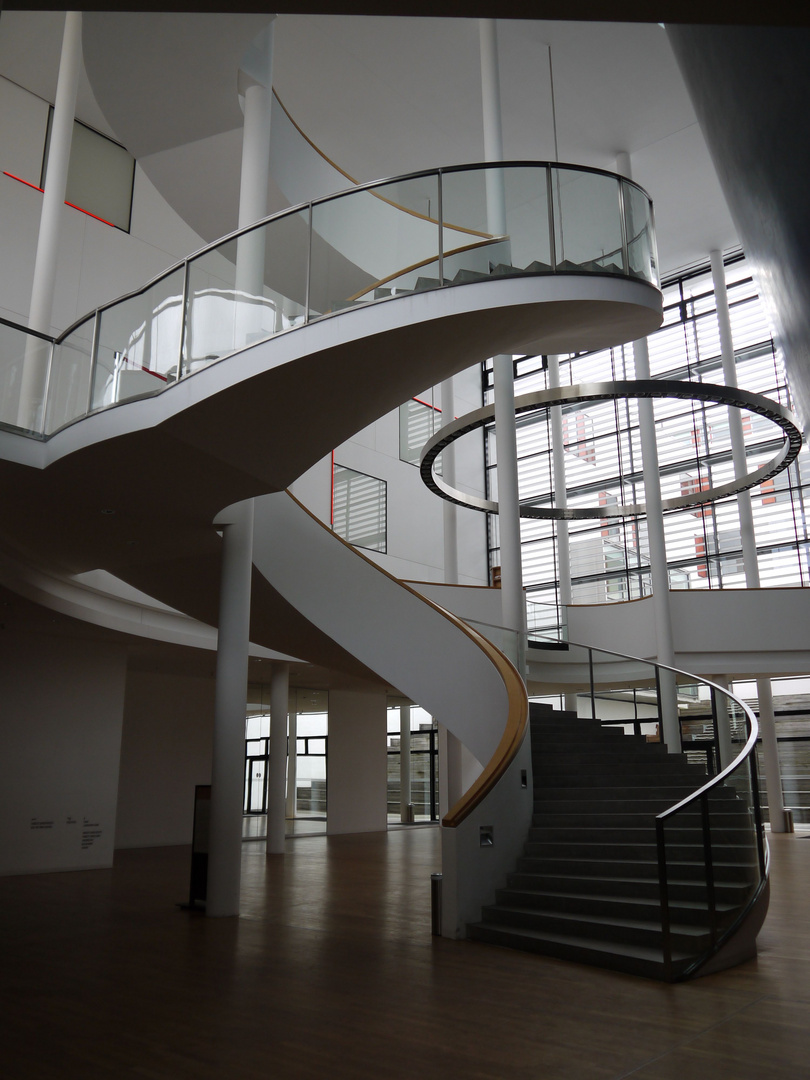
(610, 559)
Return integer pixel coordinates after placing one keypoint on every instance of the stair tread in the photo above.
(685, 929)
(610, 948)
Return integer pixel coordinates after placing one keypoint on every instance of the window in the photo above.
(359, 508)
(100, 175)
(418, 420)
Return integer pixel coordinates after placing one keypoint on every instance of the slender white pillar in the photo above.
(449, 510)
(404, 761)
(725, 745)
(228, 773)
(560, 489)
(292, 765)
(512, 597)
(659, 571)
(277, 765)
(255, 174)
(767, 722)
(53, 201)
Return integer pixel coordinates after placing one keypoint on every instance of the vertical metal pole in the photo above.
(708, 859)
(593, 690)
(552, 243)
(185, 329)
(623, 219)
(716, 730)
(94, 344)
(309, 269)
(441, 227)
(663, 889)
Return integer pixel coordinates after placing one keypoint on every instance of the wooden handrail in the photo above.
(424, 262)
(376, 194)
(517, 718)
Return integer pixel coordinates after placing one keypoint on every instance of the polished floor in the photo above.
(331, 972)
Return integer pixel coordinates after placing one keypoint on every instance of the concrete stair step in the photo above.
(636, 960)
(640, 887)
(628, 906)
(602, 927)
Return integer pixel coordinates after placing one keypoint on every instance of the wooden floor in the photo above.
(331, 972)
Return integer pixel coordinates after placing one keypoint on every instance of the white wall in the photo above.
(165, 751)
(358, 761)
(96, 263)
(60, 729)
(415, 545)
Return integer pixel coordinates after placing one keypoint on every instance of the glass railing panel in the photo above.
(374, 244)
(69, 384)
(587, 222)
(24, 361)
(496, 222)
(641, 252)
(246, 289)
(138, 349)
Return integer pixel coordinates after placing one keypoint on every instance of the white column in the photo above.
(277, 765)
(404, 761)
(53, 202)
(749, 543)
(228, 772)
(292, 765)
(770, 748)
(255, 174)
(512, 598)
(449, 510)
(655, 535)
(725, 746)
(560, 489)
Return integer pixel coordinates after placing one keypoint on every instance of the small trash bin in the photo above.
(436, 904)
(789, 821)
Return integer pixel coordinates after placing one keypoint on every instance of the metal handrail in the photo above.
(700, 796)
(381, 188)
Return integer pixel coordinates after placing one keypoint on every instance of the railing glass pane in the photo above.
(496, 222)
(69, 386)
(587, 222)
(139, 343)
(21, 398)
(246, 289)
(640, 237)
(370, 245)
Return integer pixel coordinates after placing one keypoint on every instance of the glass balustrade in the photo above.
(419, 232)
(69, 386)
(138, 342)
(24, 368)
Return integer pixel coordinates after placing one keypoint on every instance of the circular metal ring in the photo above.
(613, 391)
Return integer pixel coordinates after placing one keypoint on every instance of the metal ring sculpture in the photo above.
(612, 391)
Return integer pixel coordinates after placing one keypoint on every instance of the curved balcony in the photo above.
(424, 231)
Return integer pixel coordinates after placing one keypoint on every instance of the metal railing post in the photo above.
(709, 864)
(307, 291)
(440, 216)
(552, 245)
(663, 893)
(185, 326)
(593, 689)
(93, 361)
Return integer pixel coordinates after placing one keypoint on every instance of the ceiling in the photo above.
(383, 96)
